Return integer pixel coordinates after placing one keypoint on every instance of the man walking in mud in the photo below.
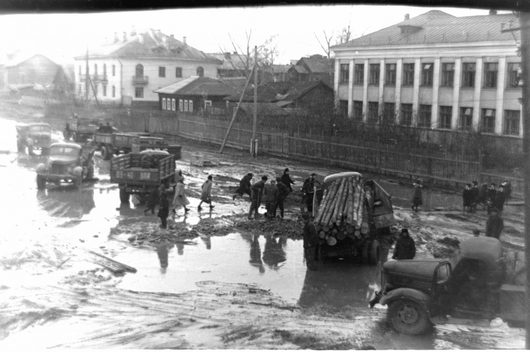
(206, 194)
(163, 210)
(270, 196)
(255, 198)
(244, 186)
(287, 180)
(283, 192)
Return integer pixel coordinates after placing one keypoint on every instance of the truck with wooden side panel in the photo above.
(138, 173)
(81, 129)
(351, 218)
(111, 143)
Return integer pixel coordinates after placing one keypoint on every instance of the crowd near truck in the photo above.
(475, 283)
(34, 137)
(66, 163)
(139, 173)
(352, 218)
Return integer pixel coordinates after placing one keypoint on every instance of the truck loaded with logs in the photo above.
(353, 218)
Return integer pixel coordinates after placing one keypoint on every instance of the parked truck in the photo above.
(473, 284)
(66, 163)
(139, 173)
(34, 137)
(354, 215)
(80, 130)
(111, 143)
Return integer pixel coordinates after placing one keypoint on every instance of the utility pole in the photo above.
(86, 77)
(253, 142)
(525, 61)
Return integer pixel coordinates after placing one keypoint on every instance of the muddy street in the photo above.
(214, 279)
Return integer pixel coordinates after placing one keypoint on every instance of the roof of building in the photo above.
(316, 63)
(149, 44)
(439, 27)
(270, 109)
(204, 86)
(279, 91)
(280, 68)
(232, 61)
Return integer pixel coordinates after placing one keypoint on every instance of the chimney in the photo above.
(184, 40)
(493, 12)
(172, 36)
(407, 17)
(124, 36)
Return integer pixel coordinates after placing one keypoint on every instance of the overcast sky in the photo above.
(62, 36)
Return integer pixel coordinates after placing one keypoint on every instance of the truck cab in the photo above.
(471, 284)
(66, 163)
(34, 137)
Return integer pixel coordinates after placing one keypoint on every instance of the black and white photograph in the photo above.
(349, 176)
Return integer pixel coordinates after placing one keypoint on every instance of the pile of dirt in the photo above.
(291, 228)
(445, 247)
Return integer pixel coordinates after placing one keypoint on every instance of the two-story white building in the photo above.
(132, 67)
(435, 71)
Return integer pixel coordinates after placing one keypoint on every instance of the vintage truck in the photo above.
(353, 218)
(66, 163)
(472, 284)
(81, 130)
(139, 173)
(33, 137)
(110, 143)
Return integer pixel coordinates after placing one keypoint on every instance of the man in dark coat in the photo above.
(283, 191)
(474, 196)
(286, 179)
(405, 247)
(244, 186)
(494, 225)
(270, 196)
(490, 196)
(311, 242)
(256, 195)
(163, 210)
(308, 190)
(467, 198)
(500, 198)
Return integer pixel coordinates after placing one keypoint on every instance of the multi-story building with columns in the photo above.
(434, 71)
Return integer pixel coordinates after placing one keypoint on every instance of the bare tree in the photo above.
(267, 52)
(325, 43)
(344, 35)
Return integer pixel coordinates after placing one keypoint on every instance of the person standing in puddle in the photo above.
(206, 194)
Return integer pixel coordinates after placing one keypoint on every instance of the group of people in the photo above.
(489, 197)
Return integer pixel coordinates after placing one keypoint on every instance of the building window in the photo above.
(139, 92)
(488, 120)
(358, 110)
(514, 72)
(173, 104)
(390, 75)
(425, 116)
(200, 71)
(490, 75)
(448, 74)
(113, 70)
(95, 90)
(190, 106)
(408, 75)
(163, 103)
(468, 72)
(139, 70)
(343, 107)
(466, 118)
(359, 74)
(161, 71)
(512, 122)
(178, 72)
(406, 114)
(113, 91)
(446, 114)
(181, 105)
(344, 73)
(104, 90)
(389, 113)
(374, 74)
(95, 69)
(426, 74)
(105, 70)
(373, 111)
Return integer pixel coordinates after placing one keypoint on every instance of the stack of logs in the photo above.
(340, 214)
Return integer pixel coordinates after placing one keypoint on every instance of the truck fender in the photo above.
(407, 293)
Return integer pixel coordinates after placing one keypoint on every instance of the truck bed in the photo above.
(128, 169)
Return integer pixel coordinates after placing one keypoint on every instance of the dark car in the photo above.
(469, 285)
(34, 137)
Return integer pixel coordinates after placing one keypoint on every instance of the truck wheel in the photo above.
(373, 253)
(409, 317)
(124, 196)
(41, 182)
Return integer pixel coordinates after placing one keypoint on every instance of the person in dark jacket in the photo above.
(152, 201)
(311, 242)
(405, 246)
(417, 198)
(256, 195)
(490, 196)
(163, 210)
(467, 198)
(474, 196)
(283, 192)
(500, 198)
(244, 186)
(270, 196)
(494, 225)
(308, 190)
(286, 179)
(483, 194)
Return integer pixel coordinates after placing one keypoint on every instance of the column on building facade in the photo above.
(350, 90)
(456, 93)
(476, 93)
(381, 91)
(435, 120)
(336, 82)
(499, 106)
(365, 91)
(399, 70)
(416, 92)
